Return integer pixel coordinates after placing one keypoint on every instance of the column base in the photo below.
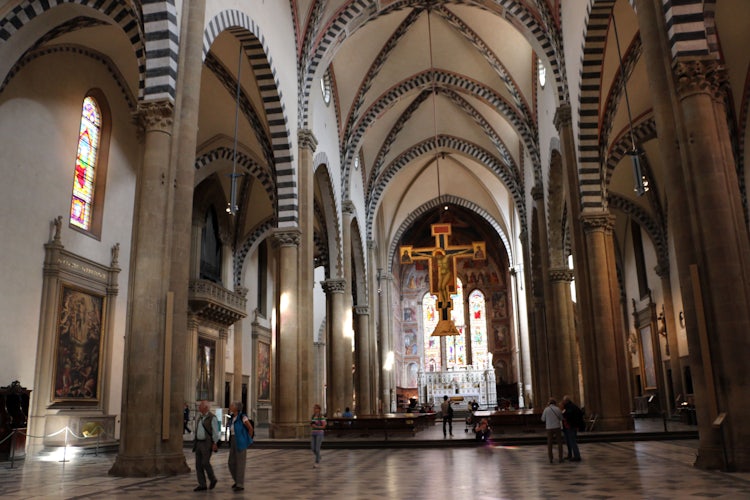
(149, 465)
(290, 430)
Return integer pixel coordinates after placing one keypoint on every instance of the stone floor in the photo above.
(652, 469)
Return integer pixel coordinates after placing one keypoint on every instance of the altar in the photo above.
(462, 386)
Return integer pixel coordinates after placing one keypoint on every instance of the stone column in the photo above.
(584, 304)
(143, 452)
(237, 341)
(339, 357)
(372, 342)
(306, 143)
(386, 341)
(546, 353)
(565, 363)
(286, 369)
(722, 273)
(364, 402)
(347, 212)
(608, 381)
(191, 356)
(180, 221)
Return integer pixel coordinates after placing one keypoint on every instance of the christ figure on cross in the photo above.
(442, 260)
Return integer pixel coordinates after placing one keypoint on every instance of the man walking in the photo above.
(206, 439)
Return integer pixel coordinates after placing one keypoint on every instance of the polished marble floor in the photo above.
(649, 470)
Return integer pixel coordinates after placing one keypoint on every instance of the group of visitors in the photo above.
(564, 419)
(241, 433)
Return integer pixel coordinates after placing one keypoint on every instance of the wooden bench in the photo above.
(386, 424)
(511, 420)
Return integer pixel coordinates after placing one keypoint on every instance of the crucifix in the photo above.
(442, 270)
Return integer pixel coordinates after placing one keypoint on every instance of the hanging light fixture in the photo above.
(641, 182)
(232, 205)
(438, 155)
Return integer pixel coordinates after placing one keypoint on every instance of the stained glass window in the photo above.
(478, 328)
(84, 177)
(431, 344)
(456, 345)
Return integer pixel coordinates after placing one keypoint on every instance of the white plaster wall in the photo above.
(39, 123)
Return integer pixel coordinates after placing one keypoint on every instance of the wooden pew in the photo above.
(511, 420)
(386, 424)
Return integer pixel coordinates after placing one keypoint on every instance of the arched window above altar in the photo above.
(478, 329)
(455, 345)
(431, 344)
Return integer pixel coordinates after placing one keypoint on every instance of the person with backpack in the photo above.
(241, 433)
(573, 420)
(447, 411)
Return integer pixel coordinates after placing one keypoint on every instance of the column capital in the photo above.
(241, 291)
(372, 245)
(384, 275)
(561, 274)
(563, 116)
(600, 221)
(537, 192)
(306, 140)
(700, 76)
(347, 207)
(362, 310)
(154, 116)
(333, 286)
(662, 270)
(286, 237)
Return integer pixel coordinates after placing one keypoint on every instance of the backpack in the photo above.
(450, 410)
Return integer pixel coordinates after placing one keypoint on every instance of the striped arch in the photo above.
(643, 131)
(462, 104)
(589, 153)
(445, 81)
(357, 13)
(320, 161)
(256, 49)
(655, 229)
(246, 163)
(145, 38)
(258, 234)
(444, 142)
(83, 51)
(436, 202)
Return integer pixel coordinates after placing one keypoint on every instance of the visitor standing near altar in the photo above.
(447, 412)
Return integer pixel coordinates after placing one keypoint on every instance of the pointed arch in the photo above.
(258, 55)
(442, 200)
(153, 82)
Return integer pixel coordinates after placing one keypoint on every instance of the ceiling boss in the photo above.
(442, 270)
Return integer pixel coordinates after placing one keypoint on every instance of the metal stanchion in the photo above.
(12, 448)
(65, 449)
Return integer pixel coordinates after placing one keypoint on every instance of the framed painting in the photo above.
(263, 371)
(77, 372)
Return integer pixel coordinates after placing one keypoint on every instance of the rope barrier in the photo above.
(100, 431)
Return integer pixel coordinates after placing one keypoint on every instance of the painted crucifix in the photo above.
(442, 270)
